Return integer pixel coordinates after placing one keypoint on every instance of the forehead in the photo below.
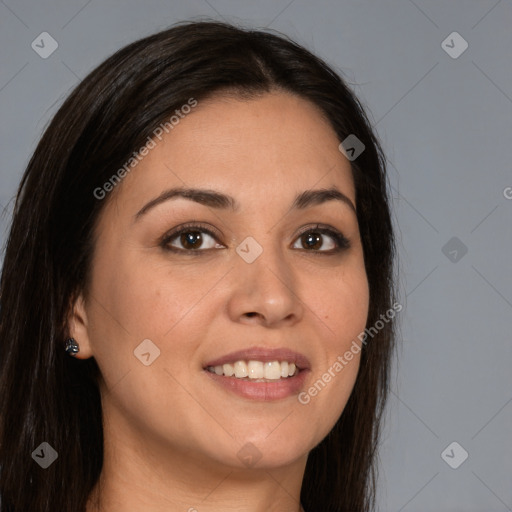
(270, 146)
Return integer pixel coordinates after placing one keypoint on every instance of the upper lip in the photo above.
(263, 354)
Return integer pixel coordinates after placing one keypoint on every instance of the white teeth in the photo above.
(255, 369)
(240, 369)
(228, 369)
(270, 370)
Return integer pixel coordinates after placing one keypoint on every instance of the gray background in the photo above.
(446, 126)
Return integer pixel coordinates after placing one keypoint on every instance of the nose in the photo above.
(265, 291)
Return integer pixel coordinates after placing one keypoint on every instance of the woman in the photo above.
(197, 293)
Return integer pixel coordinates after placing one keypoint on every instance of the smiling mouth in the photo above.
(256, 371)
(252, 386)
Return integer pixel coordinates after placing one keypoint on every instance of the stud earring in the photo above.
(72, 347)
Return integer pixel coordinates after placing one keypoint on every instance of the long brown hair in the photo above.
(47, 396)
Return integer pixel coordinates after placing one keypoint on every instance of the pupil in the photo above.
(313, 240)
(191, 239)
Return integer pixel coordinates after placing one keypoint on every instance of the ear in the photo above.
(78, 328)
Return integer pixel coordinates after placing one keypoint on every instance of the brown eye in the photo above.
(322, 240)
(190, 239)
(312, 240)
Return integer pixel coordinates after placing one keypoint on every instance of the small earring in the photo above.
(72, 347)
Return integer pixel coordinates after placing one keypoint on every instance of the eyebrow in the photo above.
(219, 200)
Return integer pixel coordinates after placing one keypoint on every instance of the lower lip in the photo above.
(263, 391)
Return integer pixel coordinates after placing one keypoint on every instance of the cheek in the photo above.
(138, 299)
(342, 305)
(143, 300)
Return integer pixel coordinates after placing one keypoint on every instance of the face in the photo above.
(200, 280)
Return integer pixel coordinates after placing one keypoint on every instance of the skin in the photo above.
(171, 433)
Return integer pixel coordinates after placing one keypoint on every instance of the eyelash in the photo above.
(342, 242)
